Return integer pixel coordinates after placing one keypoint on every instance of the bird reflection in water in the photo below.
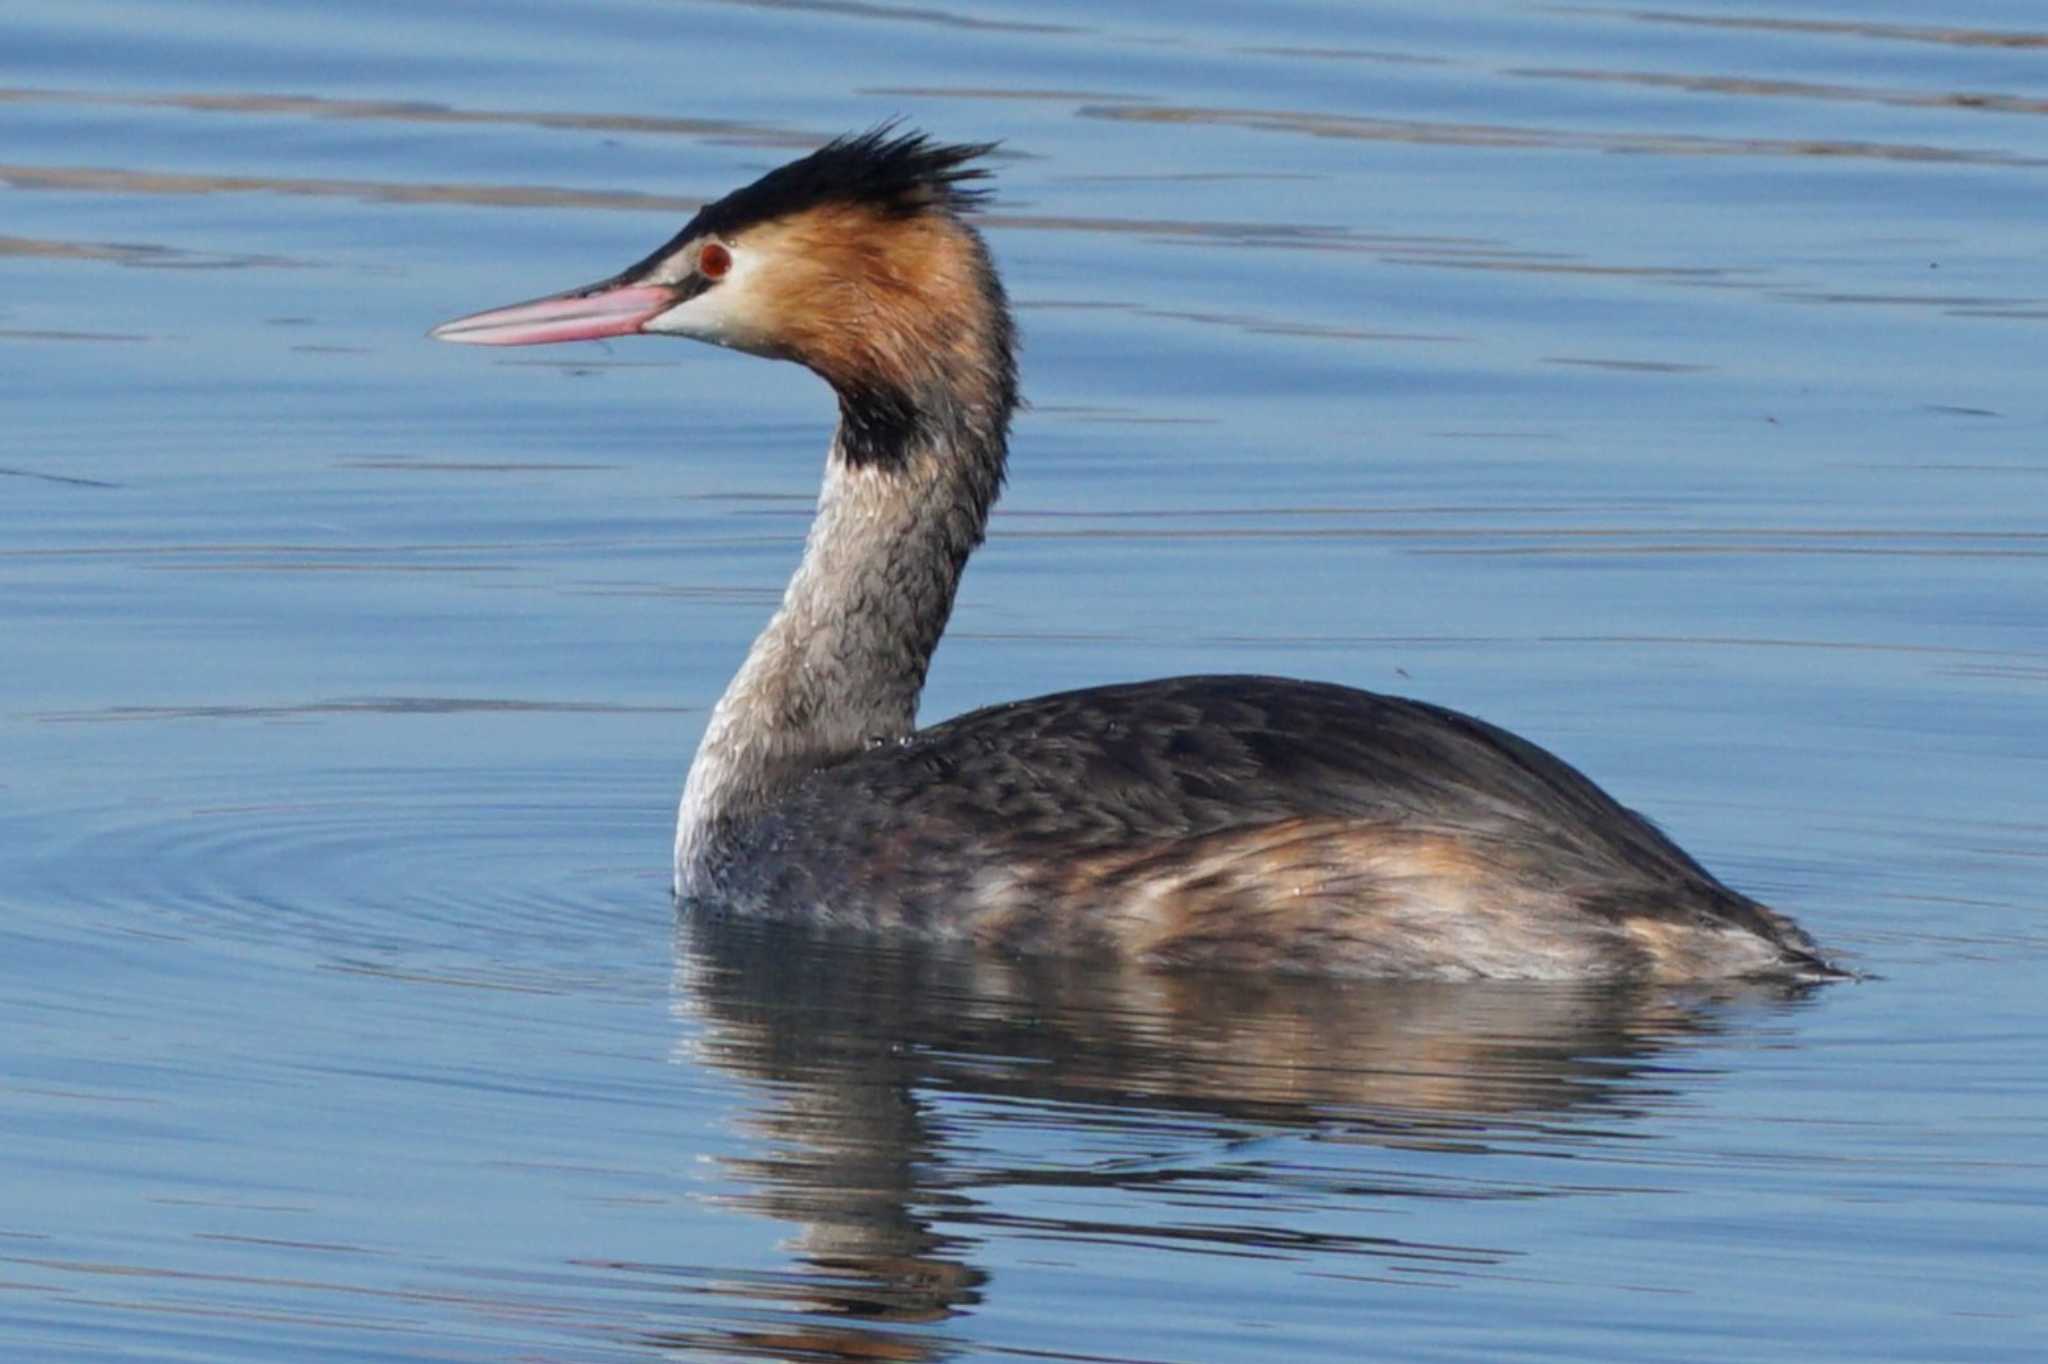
(911, 1097)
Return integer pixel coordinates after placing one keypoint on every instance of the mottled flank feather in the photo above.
(1251, 823)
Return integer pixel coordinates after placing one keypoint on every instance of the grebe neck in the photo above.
(840, 666)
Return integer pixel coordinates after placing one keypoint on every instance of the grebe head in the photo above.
(855, 261)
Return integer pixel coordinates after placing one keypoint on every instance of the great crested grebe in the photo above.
(1239, 822)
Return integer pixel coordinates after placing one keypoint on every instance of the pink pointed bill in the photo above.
(564, 317)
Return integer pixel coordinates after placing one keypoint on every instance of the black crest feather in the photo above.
(896, 173)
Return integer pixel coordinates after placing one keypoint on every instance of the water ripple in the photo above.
(365, 865)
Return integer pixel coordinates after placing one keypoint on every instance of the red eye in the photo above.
(713, 260)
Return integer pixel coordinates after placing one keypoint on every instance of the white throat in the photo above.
(842, 663)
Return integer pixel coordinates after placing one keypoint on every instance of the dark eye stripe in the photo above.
(690, 287)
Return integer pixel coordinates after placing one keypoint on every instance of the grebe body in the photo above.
(1249, 823)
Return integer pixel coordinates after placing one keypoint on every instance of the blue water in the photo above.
(1661, 383)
